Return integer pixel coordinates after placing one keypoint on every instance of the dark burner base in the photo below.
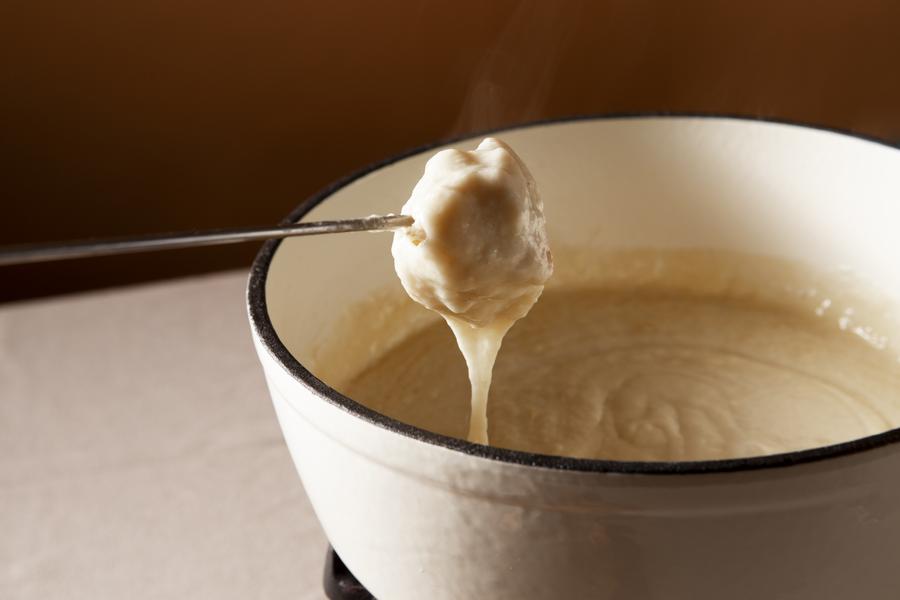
(339, 582)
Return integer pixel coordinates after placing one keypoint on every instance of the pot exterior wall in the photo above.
(413, 520)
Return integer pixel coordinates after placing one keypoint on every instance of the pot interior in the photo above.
(821, 198)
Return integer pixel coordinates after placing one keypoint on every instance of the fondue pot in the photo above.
(414, 514)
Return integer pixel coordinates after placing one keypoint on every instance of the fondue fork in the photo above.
(32, 253)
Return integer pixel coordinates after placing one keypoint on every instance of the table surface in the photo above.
(140, 456)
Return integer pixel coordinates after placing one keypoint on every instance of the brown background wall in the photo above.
(152, 115)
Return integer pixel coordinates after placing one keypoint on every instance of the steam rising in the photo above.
(515, 79)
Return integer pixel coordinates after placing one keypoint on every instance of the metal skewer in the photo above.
(32, 253)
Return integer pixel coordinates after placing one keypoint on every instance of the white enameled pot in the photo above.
(417, 515)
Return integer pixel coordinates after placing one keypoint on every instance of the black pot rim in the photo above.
(263, 327)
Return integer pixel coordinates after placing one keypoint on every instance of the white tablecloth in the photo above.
(139, 453)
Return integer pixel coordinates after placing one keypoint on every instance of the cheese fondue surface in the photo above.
(653, 355)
